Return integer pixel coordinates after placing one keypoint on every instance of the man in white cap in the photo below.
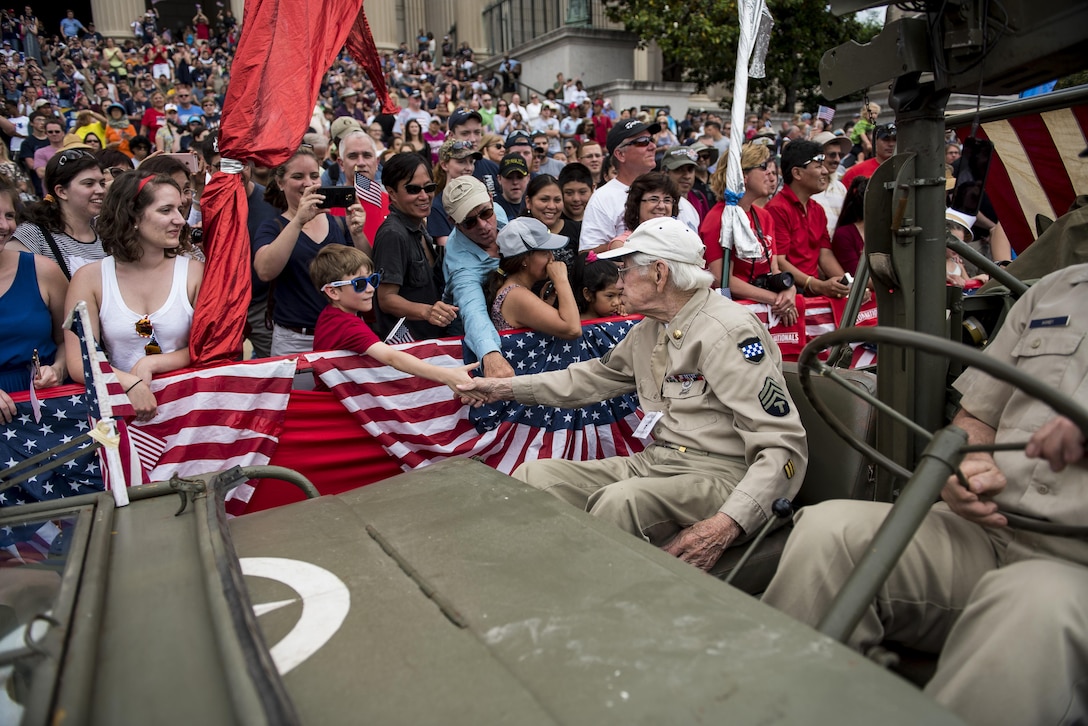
(725, 439)
(831, 198)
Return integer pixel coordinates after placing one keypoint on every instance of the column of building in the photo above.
(113, 18)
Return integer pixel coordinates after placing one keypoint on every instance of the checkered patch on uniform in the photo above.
(773, 398)
(789, 469)
(752, 350)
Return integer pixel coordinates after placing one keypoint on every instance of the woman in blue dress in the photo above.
(32, 290)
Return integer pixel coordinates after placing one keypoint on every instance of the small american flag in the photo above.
(826, 114)
(105, 399)
(367, 191)
(400, 333)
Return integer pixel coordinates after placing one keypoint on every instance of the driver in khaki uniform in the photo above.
(726, 438)
(1007, 609)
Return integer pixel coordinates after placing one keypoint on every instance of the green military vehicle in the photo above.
(455, 594)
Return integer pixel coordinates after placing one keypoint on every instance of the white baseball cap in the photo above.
(527, 234)
(666, 238)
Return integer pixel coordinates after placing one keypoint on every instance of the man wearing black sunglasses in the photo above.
(631, 144)
(804, 246)
(472, 252)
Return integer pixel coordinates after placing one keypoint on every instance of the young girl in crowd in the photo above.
(346, 277)
(594, 282)
(141, 297)
(32, 291)
(526, 247)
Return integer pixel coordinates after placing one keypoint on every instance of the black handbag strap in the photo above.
(56, 252)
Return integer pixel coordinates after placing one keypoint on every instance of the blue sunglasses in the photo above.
(359, 284)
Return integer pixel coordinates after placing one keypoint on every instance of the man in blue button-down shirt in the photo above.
(471, 253)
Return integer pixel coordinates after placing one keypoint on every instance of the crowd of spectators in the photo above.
(83, 110)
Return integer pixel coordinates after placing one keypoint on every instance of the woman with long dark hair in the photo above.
(413, 139)
(848, 242)
(61, 226)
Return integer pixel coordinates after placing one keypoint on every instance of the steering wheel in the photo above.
(808, 364)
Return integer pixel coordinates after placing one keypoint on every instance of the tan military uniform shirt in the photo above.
(714, 375)
(1043, 336)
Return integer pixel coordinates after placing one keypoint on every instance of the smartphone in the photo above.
(192, 164)
(337, 197)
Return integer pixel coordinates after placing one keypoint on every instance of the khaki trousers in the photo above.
(652, 494)
(1009, 619)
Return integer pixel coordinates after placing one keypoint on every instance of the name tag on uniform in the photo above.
(647, 425)
(1059, 322)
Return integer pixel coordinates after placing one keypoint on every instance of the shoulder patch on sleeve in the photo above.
(752, 350)
(773, 398)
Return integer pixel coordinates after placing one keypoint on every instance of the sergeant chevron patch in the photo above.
(773, 398)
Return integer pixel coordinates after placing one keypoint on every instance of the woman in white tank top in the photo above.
(140, 298)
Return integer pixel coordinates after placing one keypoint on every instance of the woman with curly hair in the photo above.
(141, 297)
(60, 226)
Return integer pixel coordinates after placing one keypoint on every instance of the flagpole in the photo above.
(755, 30)
(105, 429)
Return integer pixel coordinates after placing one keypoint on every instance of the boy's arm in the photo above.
(407, 363)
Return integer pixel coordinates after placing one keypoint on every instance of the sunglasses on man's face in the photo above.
(429, 188)
(642, 142)
(359, 284)
(484, 214)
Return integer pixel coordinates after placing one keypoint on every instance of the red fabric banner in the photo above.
(285, 49)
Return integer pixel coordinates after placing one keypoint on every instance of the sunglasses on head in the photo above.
(761, 167)
(73, 155)
(145, 329)
(470, 221)
(642, 142)
(359, 284)
(461, 146)
(429, 187)
(819, 158)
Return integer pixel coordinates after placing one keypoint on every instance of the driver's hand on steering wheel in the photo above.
(1059, 441)
(976, 504)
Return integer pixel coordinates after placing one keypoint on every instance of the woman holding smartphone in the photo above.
(285, 246)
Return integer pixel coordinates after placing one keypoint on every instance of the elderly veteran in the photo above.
(725, 438)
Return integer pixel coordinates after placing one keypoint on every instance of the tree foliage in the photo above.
(698, 41)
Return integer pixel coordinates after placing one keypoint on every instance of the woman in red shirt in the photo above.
(759, 182)
(154, 117)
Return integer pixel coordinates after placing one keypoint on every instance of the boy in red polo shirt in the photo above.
(345, 277)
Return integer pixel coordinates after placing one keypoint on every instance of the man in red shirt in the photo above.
(803, 245)
(884, 150)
